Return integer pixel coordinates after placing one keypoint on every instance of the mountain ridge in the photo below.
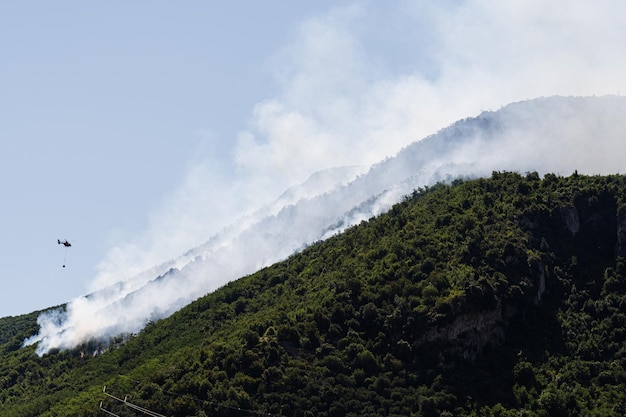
(495, 296)
(522, 137)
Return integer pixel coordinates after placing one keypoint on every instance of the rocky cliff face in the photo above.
(621, 232)
(570, 217)
(583, 230)
(476, 328)
(469, 333)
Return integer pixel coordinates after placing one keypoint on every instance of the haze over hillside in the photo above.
(557, 134)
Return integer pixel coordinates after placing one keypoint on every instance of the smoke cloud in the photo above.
(358, 85)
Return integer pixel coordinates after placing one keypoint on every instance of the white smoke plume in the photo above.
(345, 103)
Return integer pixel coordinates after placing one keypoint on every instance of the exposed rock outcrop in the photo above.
(571, 218)
(469, 333)
(621, 232)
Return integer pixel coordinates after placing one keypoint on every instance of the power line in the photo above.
(107, 411)
(129, 405)
(207, 402)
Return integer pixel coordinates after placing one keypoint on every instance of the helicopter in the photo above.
(67, 244)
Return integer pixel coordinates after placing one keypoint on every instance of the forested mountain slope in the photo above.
(500, 296)
(551, 134)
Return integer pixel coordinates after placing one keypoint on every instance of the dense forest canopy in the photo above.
(503, 296)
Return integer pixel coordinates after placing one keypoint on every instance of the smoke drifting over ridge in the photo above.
(545, 135)
(346, 101)
(359, 83)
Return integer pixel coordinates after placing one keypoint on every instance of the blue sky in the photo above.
(103, 107)
(137, 130)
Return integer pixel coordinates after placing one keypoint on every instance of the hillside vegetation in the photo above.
(493, 297)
